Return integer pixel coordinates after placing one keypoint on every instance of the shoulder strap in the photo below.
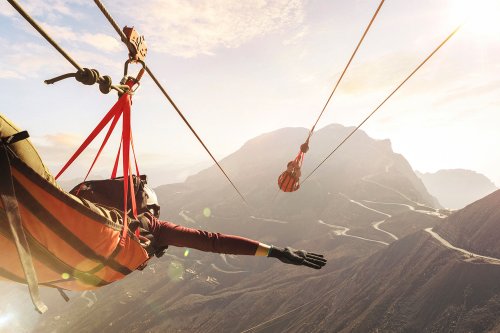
(9, 201)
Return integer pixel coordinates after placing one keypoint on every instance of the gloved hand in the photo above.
(297, 257)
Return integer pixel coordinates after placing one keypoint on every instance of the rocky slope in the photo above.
(476, 227)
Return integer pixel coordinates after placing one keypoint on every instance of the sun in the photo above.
(480, 18)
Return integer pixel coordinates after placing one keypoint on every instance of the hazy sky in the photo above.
(241, 68)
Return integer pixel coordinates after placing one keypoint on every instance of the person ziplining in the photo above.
(80, 240)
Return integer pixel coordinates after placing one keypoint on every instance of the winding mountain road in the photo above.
(375, 225)
(342, 231)
(226, 271)
(268, 220)
(186, 218)
(434, 212)
(490, 260)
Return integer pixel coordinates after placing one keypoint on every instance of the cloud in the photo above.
(9, 74)
(468, 90)
(191, 28)
(63, 139)
(99, 41)
(103, 42)
(56, 149)
(35, 59)
(50, 9)
(378, 73)
(297, 37)
(6, 9)
(28, 60)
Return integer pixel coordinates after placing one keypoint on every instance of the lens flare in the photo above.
(186, 252)
(65, 276)
(175, 271)
(5, 319)
(207, 212)
(480, 18)
(84, 266)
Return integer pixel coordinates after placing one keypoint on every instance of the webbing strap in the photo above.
(63, 294)
(9, 201)
(121, 107)
(299, 158)
(107, 118)
(15, 137)
(108, 134)
(126, 168)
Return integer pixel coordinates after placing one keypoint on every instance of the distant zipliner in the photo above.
(289, 180)
(294, 166)
(83, 240)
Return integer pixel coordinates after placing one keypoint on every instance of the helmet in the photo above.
(152, 201)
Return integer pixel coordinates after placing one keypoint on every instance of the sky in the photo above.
(238, 69)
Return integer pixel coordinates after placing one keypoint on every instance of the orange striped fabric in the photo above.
(288, 182)
(73, 247)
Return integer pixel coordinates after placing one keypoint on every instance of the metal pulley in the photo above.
(136, 44)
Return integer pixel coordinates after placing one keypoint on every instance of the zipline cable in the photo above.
(159, 85)
(44, 34)
(385, 100)
(345, 69)
(289, 180)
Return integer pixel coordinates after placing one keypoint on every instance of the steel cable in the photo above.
(159, 85)
(383, 102)
(345, 68)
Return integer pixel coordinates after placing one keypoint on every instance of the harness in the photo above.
(10, 204)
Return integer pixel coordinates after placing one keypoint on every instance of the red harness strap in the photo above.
(117, 108)
(121, 107)
(289, 180)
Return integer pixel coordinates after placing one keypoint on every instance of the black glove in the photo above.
(297, 257)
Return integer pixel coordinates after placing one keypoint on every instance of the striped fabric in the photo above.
(288, 182)
(73, 246)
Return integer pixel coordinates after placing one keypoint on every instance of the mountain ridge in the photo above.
(456, 188)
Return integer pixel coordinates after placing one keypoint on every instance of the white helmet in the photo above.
(152, 201)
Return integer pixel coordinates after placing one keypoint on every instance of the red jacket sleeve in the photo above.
(167, 233)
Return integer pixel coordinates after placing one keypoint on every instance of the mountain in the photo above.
(358, 168)
(414, 285)
(360, 201)
(456, 188)
(417, 284)
(477, 227)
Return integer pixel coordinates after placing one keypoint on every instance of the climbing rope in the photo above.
(159, 85)
(385, 100)
(89, 77)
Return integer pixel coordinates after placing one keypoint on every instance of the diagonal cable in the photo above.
(385, 100)
(346, 67)
(44, 34)
(153, 77)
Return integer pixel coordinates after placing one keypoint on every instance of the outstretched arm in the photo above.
(166, 233)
